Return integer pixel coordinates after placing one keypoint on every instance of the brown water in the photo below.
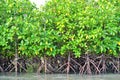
(34, 76)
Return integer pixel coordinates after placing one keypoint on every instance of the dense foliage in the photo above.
(18, 17)
(91, 26)
(60, 27)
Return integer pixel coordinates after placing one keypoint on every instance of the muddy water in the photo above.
(34, 76)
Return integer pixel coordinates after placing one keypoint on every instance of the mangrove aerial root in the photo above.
(45, 66)
(68, 65)
(88, 66)
(1, 69)
(102, 65)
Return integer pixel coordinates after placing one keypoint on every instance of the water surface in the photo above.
(34, 76)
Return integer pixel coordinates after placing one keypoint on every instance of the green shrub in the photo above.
(60, 27)
(84, 26)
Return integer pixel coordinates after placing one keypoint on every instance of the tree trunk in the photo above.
(16, 54)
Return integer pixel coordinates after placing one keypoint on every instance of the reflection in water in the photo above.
(34, 76)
